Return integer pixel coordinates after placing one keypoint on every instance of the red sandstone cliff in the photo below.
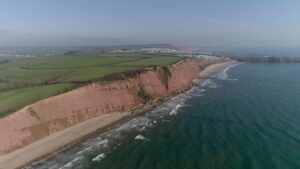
(47, 116)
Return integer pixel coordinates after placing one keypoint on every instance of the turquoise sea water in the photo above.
(245, 117)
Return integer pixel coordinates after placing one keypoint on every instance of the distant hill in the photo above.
(71, 50)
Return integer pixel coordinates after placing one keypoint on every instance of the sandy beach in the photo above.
(65, 137)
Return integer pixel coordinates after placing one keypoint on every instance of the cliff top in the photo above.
(26, 80)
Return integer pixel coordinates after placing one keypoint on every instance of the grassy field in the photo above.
(30, 76)
(162, 60)
(76, 62)
(26, 80)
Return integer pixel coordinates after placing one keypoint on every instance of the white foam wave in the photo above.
(71, 163)
(224, 74)
(80, 152)
(140, 137)
(173, 113)
(205, 82)
(99, 157)
(136, 123)
(88, 148)
(211, 84)
(103, 143)
(68, 165)
(178, 106)
(175, 110)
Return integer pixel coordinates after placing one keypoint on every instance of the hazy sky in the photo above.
(212, 23)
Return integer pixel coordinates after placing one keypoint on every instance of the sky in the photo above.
(197, 23)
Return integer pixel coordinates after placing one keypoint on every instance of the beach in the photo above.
(74, 133)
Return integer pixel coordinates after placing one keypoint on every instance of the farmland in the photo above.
(26, 80)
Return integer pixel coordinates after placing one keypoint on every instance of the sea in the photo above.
(246, 116)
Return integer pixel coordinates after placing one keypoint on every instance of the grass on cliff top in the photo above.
(94, 73)
(13, 100)
(162, 61)
(26, 80)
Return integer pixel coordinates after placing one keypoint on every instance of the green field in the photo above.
(163, 61)
(26, 80)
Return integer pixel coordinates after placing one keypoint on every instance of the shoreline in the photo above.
(73, 134)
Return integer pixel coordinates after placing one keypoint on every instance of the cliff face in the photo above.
(47, 116)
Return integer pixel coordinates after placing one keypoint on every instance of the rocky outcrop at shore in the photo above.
(57, 113)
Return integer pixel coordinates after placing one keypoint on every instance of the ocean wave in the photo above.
(99, 157)
(198, 95)
(138, 123)
(211, 84)
(205, 82)
(103, 143)
(208, 83)
(140, 137)
(175, 110)
(224, 74)
(173, 113)
(71, 164)
(88, 148)
(80, 152)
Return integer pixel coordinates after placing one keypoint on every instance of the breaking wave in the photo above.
(224, 74)
(71, 164)
(175, 110)
(140, 137)
(99, 157)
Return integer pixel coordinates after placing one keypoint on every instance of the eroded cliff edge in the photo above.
(54, 114)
